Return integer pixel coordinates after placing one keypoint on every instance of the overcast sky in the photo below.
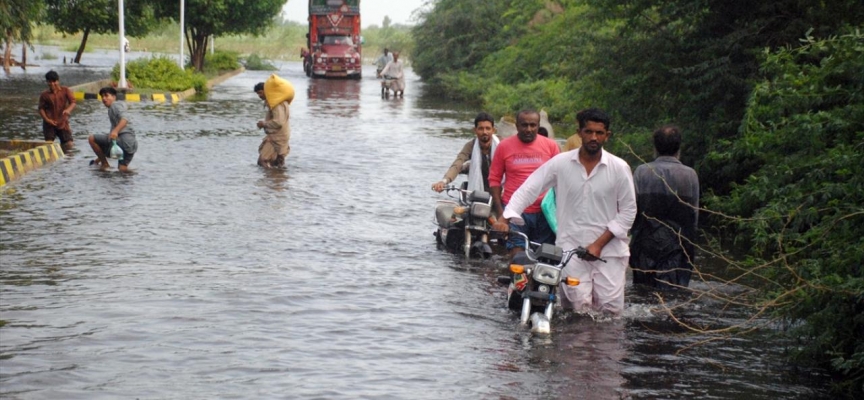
(372, 11)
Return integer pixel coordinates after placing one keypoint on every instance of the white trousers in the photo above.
(601, 285)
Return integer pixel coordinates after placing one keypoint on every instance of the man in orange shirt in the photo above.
(55, 106)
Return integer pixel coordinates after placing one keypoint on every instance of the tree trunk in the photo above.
(81, 48)
(198, 50)
(24, 56)
(7, 53)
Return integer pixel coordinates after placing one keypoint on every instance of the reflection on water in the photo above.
(275, 179)
(202, 275)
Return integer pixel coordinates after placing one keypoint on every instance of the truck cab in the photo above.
(334, 48)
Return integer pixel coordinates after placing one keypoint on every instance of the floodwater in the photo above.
(200, 275)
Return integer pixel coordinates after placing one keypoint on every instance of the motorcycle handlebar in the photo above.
(580, 251)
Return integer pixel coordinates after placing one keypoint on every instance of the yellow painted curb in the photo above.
(32, 155)
(135, 97)
(156, 97)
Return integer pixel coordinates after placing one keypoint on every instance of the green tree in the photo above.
(696, 62)
(16, 20)
(209, 18)
(646, 61)
(455, 35)
(802, 206)
(394, 37)
(98, 16)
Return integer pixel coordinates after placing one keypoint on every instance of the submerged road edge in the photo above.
(32, 154)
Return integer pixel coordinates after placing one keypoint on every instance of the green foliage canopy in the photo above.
(457, 34)
(803, 135)
(17, 18)
(647, 62)
(206, 18)
(395, 37)
(98, 16)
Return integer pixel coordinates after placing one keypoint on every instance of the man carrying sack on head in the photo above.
(278, 93)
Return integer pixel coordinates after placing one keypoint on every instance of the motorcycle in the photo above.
(386, 84)
(463, 224)
(532, 288)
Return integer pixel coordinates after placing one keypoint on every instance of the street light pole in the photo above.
(122, 83)
(182, 28)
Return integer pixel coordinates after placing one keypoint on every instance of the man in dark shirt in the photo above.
(667, 201)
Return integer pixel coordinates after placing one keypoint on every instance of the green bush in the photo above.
(803, 204)
(220, 61)
(551, 95)
(254, 63)
(160, 73)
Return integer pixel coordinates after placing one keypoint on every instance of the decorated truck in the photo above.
(333, 43)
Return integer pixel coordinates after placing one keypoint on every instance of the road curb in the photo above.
(156, 97)
(90, 91)
(33, 154)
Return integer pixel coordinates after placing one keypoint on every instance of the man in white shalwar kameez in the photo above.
(596, 206)
(395, 69)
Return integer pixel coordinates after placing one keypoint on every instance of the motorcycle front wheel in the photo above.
(514, 300)
(526, 311)
(548, 311)
(466, 245)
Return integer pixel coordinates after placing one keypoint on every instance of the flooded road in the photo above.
(200, 275)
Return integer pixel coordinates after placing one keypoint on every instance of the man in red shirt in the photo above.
(515, 159)
(55, 105)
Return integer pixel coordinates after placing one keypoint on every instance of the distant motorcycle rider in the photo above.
(477, 153)
(383, 61)
(396, 70)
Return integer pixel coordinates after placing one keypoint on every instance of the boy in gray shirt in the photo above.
(121, 132)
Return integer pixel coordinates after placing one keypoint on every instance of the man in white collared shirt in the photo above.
(596, 206)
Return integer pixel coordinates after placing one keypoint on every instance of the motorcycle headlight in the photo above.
(481, 210)
(546, 274)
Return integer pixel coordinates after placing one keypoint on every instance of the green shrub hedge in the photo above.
(220, 61)
(161, 73)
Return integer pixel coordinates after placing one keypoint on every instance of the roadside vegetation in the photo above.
(203, 22)
(160, 74)
(282, 41)
(769, 95)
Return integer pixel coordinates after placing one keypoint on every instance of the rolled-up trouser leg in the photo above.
(601, 285)
(267, 152)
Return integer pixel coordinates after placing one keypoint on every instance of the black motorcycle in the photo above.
(463, 223)
(532, 287)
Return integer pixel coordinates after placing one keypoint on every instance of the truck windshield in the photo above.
(346, 40)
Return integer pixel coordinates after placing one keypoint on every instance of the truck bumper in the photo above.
(336, 74)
